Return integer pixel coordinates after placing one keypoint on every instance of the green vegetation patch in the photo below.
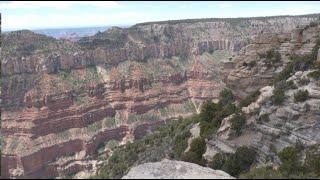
(272, 57)
(212, 114)
(169, 140)
(315, 75)
(110, 122)
(263, 118)
(238, 121)
(197, 149)
(278, 96)
(301, 96)
(143, 117)
(292, 166)
(94, 127)
(250, 99)
(76, 80)
(299, 63)
(236, 163)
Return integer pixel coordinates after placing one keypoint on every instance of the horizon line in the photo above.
(150, 22)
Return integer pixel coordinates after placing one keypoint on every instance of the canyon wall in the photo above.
(270, 126)
(62, 101)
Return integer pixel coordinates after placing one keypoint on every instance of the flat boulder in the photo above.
(170, 169)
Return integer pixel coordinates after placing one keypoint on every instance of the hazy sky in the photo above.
(42, 14)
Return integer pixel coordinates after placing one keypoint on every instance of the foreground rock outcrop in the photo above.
(170, 169)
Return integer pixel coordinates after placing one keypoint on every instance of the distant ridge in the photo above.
(217, 19)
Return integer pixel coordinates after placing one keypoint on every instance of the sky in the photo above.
(50, 14)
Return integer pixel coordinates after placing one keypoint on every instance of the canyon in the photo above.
(62, 101)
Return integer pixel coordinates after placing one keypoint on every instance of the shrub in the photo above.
(285, 85)
(290, 85)
(272, 57)
(240, 161)
(198, 146)
(291, 167)
(262, 173)
(264, 118)
(249, 99)
(208, 109)
(315, 75)
(237, 123)
(227, 110)
(180, 144)
(246, 156)
(312, 161)
(284, 74)
(278, 96)
(301, 96)
(208, 118)
(225, 97)
(194, 155)
(289, 160)
(218, 161)
(193, 158)
(207, 129)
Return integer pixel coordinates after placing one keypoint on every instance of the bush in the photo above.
(209, 121)
(194, 155)
(291, 167)
(301, 96)
(238, 121)
(218, 161)
(250, 99)
(207, 129)
(285, 85)
(236, 163)
(273, 57)
(208, 109)
(263, 118)
(284, 74)
(289, 161)
(180, 144)
(240, 161)
(315, 75)
(226, 96)
(278, 96)
(262, 173)
(227, 110)
(198, 146)
(312, 161)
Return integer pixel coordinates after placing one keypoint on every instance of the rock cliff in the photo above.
(272, 126)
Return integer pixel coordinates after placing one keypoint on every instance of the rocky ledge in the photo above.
(169, 169)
